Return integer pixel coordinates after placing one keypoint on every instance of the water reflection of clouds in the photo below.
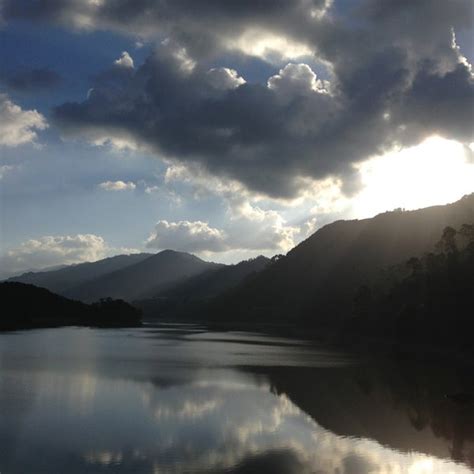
(113, 405)
(214, 427)
(77, 392)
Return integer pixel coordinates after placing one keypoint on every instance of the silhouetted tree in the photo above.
(447, 243)
(433, 302)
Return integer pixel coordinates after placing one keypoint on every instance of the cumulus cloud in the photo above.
(187, 236)
(245, 133)
(125, 60)
(249, 226)
(117, 185)
(49, 251)
(396, 76)
(254, 230)
(296, 79)
(18, 126)
(256, 224)
(224, 78)
(260, 29)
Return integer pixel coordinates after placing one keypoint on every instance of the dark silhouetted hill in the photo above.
(27, 306)
(143, 278)
(428, 300)
(180, 299)
(315, 283)
(63, 279)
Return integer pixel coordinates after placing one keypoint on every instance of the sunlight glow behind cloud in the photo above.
(434, 172)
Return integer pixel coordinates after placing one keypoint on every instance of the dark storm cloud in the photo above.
(351, 30)
(396, 78)
(442, 104)
(32, 79)
(260, 136)
(199, 25)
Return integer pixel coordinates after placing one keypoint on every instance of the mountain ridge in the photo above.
(131, 282)
(317, 279)
(323, 269)
(60, 280)
(182, 296)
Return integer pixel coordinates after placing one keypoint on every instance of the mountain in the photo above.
(428, 300)
(316, 281)
(181, 297)
(141, 279)
(33, 307)
(63, 279)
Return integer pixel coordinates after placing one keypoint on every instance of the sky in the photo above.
(225, 129)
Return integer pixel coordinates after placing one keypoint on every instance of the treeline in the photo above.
(188, 299)
(27, 306)
(427, 300)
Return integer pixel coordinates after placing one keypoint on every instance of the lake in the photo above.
(181, 399)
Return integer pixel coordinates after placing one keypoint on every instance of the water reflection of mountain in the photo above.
(122, 401)
(242, 426)
(404, 408)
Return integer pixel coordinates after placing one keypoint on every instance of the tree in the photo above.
(467, 235)
(447, 244)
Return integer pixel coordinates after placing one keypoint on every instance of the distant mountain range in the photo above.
(144, 278)
(314, 283)
(67, 278)
(180, 299)
(148, 279)
(126, 277)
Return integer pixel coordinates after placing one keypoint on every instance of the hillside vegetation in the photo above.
(315, 283)
(27, 306)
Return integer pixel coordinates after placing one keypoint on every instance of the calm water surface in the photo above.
(179, 399)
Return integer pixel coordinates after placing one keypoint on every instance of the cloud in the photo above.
(258, 29)
(249, 227)
(296, 79)
(253, 229)
(243, 132)
(18, 126)
(117, 185)
(223, 78)
(33, 79)
(187, 236)
(262, 432)
(256, 224)
(152, 189)
(125, 60)
(290, 29)
(395, 76)
(49, 251)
